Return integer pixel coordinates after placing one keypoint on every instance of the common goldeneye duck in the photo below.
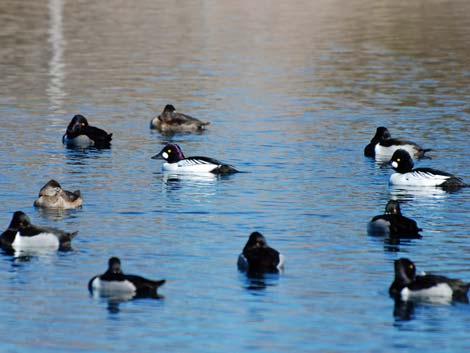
(115, 283)
(80, 133)
(21, 235)
(393, 223)
(382, 146)
(171, 121)
(257, 257)
(175, 161)
(405, 175)
(52, 195)
(408, 286)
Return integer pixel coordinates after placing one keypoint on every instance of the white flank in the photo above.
(110, 287)
(379, 227)
(417, 179)
(42, 240)
(189, 166)
(441, 293)
(81, 140)
(282, 260)
(242, 263)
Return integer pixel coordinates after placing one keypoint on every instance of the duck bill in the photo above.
(157, 156)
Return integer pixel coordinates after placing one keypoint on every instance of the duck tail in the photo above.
(224, 169)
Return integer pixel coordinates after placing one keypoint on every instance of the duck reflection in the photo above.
(259, 281)
(56, 214)
(172, 181)
(403, 310)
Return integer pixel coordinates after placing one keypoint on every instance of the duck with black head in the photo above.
(22, 235)
(434, 288)
(257, 257)
(114, 283)
(405, 175)
(393, 223)
(80, 133)
(176, 162)
(383, 145)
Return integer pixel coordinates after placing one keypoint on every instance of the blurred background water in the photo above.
(294, 91)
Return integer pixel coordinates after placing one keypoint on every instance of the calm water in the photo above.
(294, 91)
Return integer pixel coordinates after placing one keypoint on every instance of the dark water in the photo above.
(294, 91)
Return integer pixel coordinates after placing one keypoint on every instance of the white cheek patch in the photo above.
(165, 155)
(394, 164)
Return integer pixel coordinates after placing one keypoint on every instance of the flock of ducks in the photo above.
(399, 154)
(22, 237)
(256, 257)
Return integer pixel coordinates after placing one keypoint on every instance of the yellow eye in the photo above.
(411, 267)
(398, 159)
(169, 150)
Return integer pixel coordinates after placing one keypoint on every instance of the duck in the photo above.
(52, 195)
(80, 133)
(382, 146)
(115, 283)
(409, 286)
(176, 162)
(257, 257)
(171, 121)
(405, 175)
(22, 235)
(393, 223)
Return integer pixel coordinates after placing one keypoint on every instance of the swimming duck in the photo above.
(115, 283)
(21, 235)
(393, 223)
(80, 133)
(408, 286)
(382, 146)
(176, 162)
(52, 195)
(258, 257)
(405, 175)
(171, 121)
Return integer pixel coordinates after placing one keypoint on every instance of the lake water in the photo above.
(293, 91)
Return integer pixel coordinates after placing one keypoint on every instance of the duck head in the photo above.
(171, 153)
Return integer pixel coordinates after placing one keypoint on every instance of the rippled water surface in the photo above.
(293, 91)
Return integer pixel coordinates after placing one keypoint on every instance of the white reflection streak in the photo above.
(55, 89)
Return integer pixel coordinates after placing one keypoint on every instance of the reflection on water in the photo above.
(256, 282)
(293, 91)
(55, 89)
(57, 214)
(403, 310)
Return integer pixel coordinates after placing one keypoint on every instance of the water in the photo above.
(294, 91)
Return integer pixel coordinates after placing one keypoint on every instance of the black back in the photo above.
(144, 287)
(405, 276)
(261, 258)
(20, 222)
(79, 126)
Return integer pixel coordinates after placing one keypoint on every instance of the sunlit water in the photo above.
(293, 91)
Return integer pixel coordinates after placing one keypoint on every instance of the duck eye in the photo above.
(169, 150)
(411, 267)
(82, 124)
(398, 159)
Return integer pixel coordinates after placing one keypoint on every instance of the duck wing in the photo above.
(99, 136)
(262, 259)
(145, 287)
(220, 168)
(404, 227)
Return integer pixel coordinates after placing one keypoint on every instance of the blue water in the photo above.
(293, 91)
